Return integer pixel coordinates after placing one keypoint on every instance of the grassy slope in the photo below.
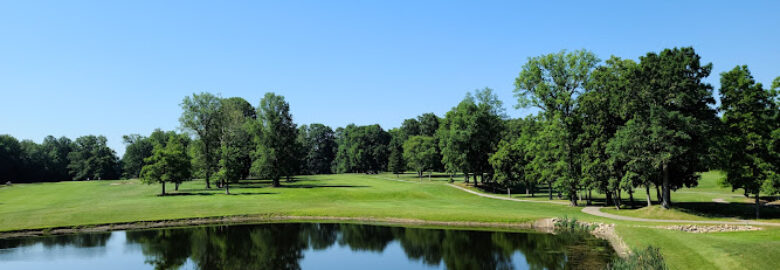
(81, 203)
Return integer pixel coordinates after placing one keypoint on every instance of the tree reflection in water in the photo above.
(283, 245)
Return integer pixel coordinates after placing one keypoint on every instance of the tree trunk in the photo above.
(666, 202)
(609, 198)
(208, 163)
(227, 188)
(475, 179)
(647, 192)
(289, 178)
(208, 175)
(590, 197)
(276, 182)
(631, 197)
(176, 187)
(420, 174)
(466, 177)
(163, 188)
(657, 193)
(618, 200)
(758, 205)
(527, 190)
(549, 186)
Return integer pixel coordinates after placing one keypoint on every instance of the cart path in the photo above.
(596, 211)
(502, 197)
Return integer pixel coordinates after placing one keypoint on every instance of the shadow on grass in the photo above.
(729, 210)
(212, 193)
(321, 186)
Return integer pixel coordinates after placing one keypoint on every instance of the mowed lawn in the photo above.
(45, 205)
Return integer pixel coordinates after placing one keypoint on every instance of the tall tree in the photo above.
(276, 139)
(93, 159)
(750, 116)
(138, 148)
(672, 110)
(410, 127)
(318, 142)
(511, 162)
(10, 157)
(169, 163)
(420, 153)
(56, 151)
(362, 149)
(201, 114)
(236, 117)
(454, 136)
(552, 83)
(470, 132)
(429, 123)
(396, 163)
(601, 108)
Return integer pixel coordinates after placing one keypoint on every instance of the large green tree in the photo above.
(92, 159)
(601, 108)
(362, 149)
(552, 83)
(511, 162)
(470, 132)
(672, 112)
(275, 136)
(318, 144)
(396, 163)
(750, 115)
(420, 153)
(138, 148)
(169, 163)
(235, 141)
(201, 115)
(10, 157)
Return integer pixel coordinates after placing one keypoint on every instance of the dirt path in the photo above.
(596, 211)
(501, 197)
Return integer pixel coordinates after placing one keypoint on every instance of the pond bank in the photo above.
(542, 225)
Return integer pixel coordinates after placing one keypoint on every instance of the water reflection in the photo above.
(284, 246)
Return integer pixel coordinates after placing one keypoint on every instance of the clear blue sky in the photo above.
(74, 68)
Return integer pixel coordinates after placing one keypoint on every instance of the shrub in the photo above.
(648, 259)
(571, 224)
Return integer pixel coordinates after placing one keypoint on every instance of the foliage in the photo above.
(396, 163)
(92, 159)
(169, 163)
(750, 116)
(649, 258)
(318, 144)
(138, 148)
(572, 224)
(671, 112)
(201, 115)
(362, 149)
(552, 83)
(470, 132)
(420, 153)
(602, 110)
(275, 136)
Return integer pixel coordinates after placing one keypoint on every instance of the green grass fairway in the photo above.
(46, 205)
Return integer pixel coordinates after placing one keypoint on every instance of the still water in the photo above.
(306, 246)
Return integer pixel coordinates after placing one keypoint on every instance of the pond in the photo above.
(306, 246)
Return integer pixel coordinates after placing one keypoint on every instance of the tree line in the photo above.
(609, 127)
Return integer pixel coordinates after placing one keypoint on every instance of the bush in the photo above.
(571, 224)
(648, 259)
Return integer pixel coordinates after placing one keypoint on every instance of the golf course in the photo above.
(388, 198)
